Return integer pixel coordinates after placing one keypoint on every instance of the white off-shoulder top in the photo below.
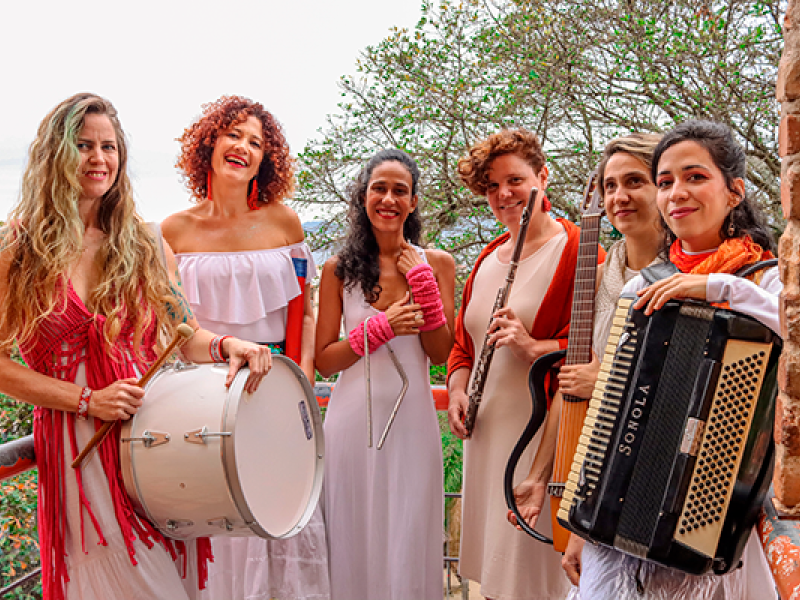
(244, 294)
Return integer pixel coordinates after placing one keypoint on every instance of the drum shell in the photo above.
(189, 490)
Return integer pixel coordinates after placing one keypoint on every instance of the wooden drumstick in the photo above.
(182, 334)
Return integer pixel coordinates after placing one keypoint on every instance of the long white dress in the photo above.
(509, 564)
(383, 508)
(246, 294)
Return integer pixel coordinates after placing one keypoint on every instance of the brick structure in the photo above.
(787, 419)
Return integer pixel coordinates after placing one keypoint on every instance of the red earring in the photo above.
(208, 186)
(546, 204)
(252, 197)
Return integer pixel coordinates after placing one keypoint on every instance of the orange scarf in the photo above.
(732, 255)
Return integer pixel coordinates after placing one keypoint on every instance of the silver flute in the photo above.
(487, 350)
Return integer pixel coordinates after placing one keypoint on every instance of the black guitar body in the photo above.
(536, 384)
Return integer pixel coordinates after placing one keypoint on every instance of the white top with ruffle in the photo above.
(215, 284)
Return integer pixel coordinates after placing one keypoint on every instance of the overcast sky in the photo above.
(158, 62)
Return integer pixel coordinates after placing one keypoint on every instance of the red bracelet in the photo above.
(215, 348)
(83, 404)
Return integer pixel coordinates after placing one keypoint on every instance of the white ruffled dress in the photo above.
(245, 294)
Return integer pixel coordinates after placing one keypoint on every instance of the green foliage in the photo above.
(438, 374)
(576, 72)
(19, 549)
(452, 454)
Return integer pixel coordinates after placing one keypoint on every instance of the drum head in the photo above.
(276, 450)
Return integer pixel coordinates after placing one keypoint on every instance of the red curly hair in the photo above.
(276, 173)
(474, 167)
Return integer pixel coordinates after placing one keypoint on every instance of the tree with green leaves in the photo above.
(576, 72)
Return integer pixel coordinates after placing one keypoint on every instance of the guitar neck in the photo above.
(579, 343)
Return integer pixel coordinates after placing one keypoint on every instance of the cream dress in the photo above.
(509, 564)
(245, 294)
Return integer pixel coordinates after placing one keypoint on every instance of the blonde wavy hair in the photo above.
(45, 236)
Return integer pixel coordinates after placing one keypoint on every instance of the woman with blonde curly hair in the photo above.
(234, 249)
(87, 295)
(505, 167)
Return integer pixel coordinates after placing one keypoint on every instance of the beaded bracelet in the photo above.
(215, 348)
(83, 404)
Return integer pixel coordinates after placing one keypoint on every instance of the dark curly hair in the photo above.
(730, 159)
(358, 259)
(276, 173)
(474, 167)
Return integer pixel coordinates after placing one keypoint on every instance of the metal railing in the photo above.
(779, 534)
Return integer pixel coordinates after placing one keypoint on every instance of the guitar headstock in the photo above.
(593, 204)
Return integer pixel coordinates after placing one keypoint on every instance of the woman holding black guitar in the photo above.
(629, 197)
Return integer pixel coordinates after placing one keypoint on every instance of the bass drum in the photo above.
(199, 459)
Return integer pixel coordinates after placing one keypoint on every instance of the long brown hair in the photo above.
(45, 235)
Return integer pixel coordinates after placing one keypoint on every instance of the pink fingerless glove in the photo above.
(426, 294)
(378, 332)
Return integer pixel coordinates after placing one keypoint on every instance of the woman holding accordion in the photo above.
(712, 231)
(505, 167)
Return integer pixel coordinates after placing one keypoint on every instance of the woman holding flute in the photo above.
(383, 463)
(504, 167)
(87, 297)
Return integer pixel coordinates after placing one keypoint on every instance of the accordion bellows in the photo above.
(676, 450)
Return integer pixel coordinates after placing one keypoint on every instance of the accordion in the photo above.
(676, 451)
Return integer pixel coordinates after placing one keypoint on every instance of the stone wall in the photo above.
(787, 421)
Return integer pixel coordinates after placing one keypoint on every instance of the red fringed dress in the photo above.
(93, 545)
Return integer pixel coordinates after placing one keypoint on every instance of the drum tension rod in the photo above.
(150, 438)
(198, 436)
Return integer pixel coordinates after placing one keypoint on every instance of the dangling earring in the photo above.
(208, 186)
(731, 227)
(252, 197)
(546, 204)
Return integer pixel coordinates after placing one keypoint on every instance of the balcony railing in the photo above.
(780, 537)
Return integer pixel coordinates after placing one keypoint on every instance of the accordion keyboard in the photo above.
(603, 409)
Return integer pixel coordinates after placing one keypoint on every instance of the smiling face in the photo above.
(693, 197)
(630, 196)
(509, 182)
(98, 148)
(239, 150)
(388, 200)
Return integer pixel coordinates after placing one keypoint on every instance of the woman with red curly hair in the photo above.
(504, 168)
(234, 249)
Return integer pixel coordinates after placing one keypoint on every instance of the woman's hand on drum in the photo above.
(680, 285)
(579, 380)
(408, 259)
(404, 318)
(120, 400)
(258, 358)
(529, 495)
